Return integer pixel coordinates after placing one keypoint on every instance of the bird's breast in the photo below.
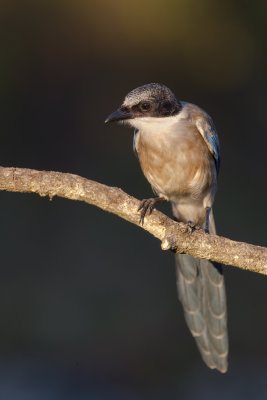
(176, 163)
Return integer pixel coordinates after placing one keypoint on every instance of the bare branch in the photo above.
(173, 235)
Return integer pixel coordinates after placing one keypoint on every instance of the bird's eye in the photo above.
(145, 107)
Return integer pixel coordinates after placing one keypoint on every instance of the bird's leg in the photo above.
(207, 225)
(147, 206)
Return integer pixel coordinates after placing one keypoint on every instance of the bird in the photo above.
(178, 149)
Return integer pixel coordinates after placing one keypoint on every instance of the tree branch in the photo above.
(173, 235)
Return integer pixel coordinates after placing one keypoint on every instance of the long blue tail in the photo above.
(201, 290)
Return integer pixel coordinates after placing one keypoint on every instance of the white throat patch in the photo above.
(155, 124)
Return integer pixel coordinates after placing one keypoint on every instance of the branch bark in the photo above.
(173, 235)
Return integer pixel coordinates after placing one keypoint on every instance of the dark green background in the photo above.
(88, 304)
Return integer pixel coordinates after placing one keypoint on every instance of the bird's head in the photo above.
(153, 100)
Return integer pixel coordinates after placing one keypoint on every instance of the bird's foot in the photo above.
(191, 226)
(147, 205)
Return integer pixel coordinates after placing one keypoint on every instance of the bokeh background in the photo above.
(88, 303)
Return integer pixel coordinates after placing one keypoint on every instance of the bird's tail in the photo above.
(201, 290)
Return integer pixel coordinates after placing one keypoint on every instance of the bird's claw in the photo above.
(146, 207)
(191, 226)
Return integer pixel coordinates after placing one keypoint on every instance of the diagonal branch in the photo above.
(173, 235)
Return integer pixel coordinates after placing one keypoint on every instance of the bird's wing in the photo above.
(207, 130)
(135, 136)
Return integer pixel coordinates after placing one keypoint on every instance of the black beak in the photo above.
(118, 116)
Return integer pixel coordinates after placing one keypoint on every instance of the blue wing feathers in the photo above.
(214, 142)
(134, 140)
(207, 129)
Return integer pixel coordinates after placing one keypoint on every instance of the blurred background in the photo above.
(88, 303)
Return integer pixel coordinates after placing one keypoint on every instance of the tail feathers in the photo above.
(201, 291)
